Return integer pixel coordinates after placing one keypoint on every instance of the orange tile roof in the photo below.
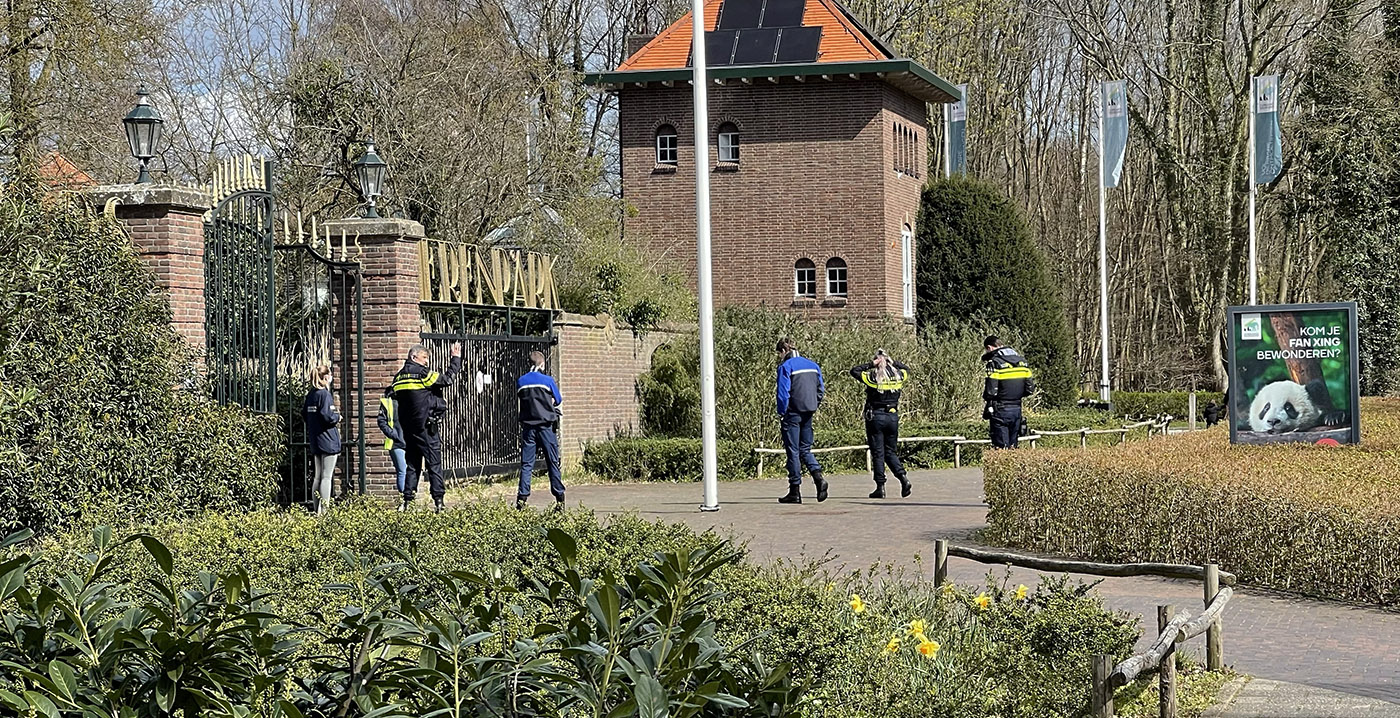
(842, 39)
(58, 172)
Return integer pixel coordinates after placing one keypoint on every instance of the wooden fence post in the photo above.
(1214, 660)
(1191, 406)
(1166, 672)
(1101, 694)
(1083, 438)
(940, 562)
(957, 455)
(760, 461)
(869, 465)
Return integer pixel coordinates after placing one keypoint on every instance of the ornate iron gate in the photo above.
(238, 301)
(319, 321)
(481, 431)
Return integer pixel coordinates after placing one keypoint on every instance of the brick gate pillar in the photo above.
(392, 322)
(166, 224)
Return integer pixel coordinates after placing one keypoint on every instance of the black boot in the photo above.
(879, 492)
(821, 485)
(905, 488)
(520, 502)
(437, 506)
(794, 495)
(558, 504)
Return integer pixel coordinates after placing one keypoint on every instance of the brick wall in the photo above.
(815, 180)
(597, 364)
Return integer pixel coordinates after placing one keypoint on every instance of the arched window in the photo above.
(729, 143)
(836, 277)
(667, 146)
(906, 242)
(804, 278)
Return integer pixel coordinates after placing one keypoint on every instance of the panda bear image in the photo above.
(1287, 406)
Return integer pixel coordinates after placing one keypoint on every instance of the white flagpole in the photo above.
(702, 245)
(1105, 394)
(1253, 259)
(947, 141)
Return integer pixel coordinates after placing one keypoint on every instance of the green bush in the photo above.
(977, 258)
(1024, 654)
(1297, 517)
(88, 366)
(645, 459)
(945, 369)
(1150, 404)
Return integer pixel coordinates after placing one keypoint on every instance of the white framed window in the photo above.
(836, 277)
(729, 143)
(804, 279)
(906, 243)
(667, 146)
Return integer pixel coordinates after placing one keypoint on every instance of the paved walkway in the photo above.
(1321, 644)
(1263, 698)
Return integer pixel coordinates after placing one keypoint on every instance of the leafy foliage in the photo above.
(547, 614)
(1261, 511)
(88, 370)
(977, 258)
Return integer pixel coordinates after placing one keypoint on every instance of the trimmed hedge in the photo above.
(1149, 404)
(89, 416)
(1318, 520)
(657, 459)
(1020, 656)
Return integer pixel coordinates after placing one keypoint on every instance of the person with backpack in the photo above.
(393, 438)
(800, 392)
(884, 379)
(323, 435)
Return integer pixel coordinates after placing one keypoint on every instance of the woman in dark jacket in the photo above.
(323, 434)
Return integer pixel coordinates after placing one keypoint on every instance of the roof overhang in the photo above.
(904, 74)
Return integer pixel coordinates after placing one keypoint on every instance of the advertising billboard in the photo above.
(1293, 374)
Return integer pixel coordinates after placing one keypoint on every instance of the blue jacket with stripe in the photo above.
(539, 399)
(800, 386)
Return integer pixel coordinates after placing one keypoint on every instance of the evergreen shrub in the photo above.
(1022, 654)
(977, 259)
(90, 413)
(1313, 519)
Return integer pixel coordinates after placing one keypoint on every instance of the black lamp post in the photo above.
(371, 170)
(142, 126)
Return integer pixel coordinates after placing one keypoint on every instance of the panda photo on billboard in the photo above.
(1286, 406)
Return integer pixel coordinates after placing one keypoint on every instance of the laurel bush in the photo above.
(1318, 520)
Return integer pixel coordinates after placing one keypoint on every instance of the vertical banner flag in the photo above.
(957, 134)
(1268, 143)
(1114, 133)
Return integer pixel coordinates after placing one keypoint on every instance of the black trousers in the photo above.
(882, 434)
(423, 455)
(1006, 426)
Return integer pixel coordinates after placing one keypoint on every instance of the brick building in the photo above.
(818, 149)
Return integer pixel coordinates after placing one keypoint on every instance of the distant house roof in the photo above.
(845, 47)
(57, 172)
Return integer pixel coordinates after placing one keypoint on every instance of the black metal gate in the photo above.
(238, 301)
(319, 319)
(481, 433)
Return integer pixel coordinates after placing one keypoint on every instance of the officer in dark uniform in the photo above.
(418, 390)
(1009, 380)
(884, 379)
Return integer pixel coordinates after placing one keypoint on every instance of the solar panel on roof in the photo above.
(799, 44)
(719, 48)
(736, 14)
(783, 13)
(756, 46)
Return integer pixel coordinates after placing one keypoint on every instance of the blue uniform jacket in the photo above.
(800, 386)
(539, 399)
(321, 422)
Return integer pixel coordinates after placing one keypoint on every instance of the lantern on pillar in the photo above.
(371, 171)
(143, 126)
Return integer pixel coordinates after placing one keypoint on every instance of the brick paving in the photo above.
(1323, 644)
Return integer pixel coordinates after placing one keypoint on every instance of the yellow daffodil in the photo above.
(982, 601)
(916, 627)
(893, 645)
(948, 589)
(1021, 592)
(830, 587)
(857, 605)
(929, 649)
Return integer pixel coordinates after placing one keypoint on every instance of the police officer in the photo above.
(800, 392)
(1009, 380)
(884, 379)
(539, 411)
(393, 437)
(421, 407)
